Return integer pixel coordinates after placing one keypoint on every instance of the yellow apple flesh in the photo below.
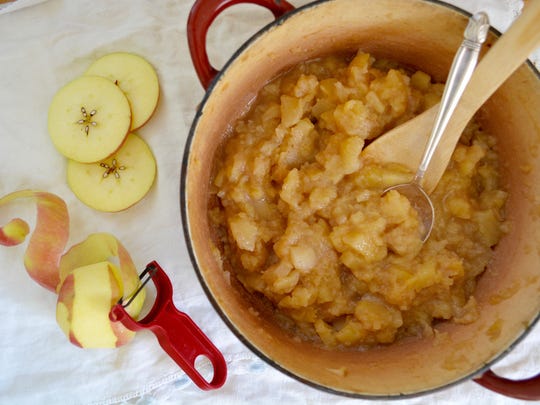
(85, 299)
(119, 181)
(89, 119)
(136, 77)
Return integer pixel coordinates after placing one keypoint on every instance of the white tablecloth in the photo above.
(43, 45)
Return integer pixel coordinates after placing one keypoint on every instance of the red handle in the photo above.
(202, 14)
(528, 389)
(177, 334)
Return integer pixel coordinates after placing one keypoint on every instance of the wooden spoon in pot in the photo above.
(460, 73)
(405, 143)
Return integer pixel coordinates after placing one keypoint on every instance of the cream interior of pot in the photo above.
(424, 35)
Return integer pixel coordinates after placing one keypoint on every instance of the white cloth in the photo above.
(45, 44)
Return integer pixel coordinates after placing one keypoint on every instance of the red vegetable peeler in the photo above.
(177, 334)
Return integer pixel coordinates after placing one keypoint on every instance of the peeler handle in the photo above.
(182, 339)
(176, 332)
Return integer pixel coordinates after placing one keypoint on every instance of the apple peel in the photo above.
(89, 278)
(48, 239)
(100, 247)
(96, 248)
(14, 232)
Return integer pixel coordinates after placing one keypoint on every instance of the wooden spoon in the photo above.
(405, 143)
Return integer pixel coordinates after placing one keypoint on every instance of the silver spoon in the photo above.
(460, 73)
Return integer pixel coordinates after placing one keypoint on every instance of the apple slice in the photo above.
(88, 119)
(85, 299)
(117, 182)
(136, 78)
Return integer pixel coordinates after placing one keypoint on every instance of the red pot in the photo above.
(424, 34)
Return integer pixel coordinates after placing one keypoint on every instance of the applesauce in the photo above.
(304, 227)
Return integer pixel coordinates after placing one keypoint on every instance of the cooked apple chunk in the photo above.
(89, 119)
(136, 77)
(117, 182)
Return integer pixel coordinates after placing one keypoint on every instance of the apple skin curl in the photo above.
(14, 232)
(48, 240)
(58, 271)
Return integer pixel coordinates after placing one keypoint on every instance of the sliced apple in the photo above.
(85, 299)
(117, 182)
(89, 119)
(136, 77)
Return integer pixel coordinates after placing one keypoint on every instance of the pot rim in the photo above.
(191, 250)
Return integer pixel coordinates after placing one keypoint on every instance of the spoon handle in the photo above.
(507, 54)
(461, 71)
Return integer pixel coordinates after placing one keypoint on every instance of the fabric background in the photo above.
(43, 45)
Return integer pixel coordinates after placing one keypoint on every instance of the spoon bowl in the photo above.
(421, 202)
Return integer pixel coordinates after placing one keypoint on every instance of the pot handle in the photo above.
(527, 389)
(202, 14)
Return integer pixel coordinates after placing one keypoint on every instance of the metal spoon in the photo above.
(460, 73)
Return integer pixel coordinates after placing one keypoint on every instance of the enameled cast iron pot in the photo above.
(420, 33)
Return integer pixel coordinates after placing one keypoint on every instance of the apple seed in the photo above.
(86, 120)
(113, 168)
